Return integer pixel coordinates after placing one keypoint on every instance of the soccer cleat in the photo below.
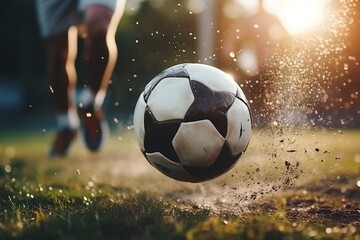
(93, 127)
(62, 142)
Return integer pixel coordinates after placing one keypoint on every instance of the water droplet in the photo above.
(7, 168)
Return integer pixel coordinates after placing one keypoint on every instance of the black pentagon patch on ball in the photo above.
(223, 163)
(159, 136)
(175, 71)
(211, 105)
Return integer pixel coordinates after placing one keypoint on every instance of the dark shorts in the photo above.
(56, 16)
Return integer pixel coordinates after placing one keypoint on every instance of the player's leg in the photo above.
(61, 54)
(56, 18)
(100, 22)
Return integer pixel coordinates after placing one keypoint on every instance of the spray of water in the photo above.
(307, 73)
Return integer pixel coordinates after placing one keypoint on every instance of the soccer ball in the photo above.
(192, 122)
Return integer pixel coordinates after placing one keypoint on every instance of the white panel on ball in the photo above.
(171, 99)
(239, 127)
(212, 77)
(241, 93)
(138, 122)
(175, 170)
(198, 144)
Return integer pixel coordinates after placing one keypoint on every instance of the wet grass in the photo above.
(116, 195)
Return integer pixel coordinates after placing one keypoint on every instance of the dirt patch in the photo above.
(338, 202)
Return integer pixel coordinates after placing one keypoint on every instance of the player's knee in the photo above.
(97, 30)
(97, 23)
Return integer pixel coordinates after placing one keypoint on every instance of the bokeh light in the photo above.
(298, 16)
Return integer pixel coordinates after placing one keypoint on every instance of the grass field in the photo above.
(290, 184)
